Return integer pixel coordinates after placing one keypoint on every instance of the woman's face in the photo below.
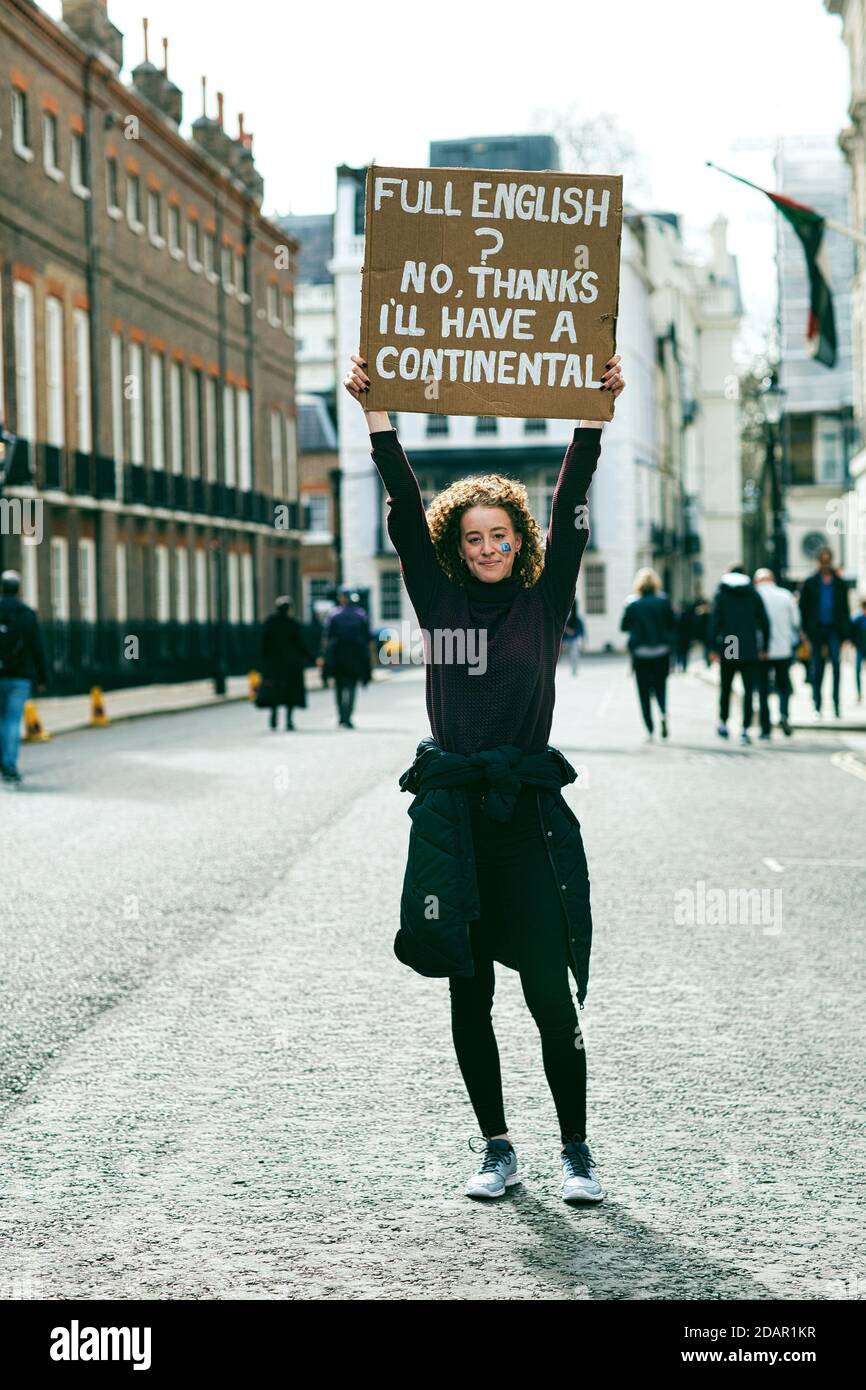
(483, 533)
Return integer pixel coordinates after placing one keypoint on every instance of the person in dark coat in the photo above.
(496, 869)
(347, 653)
(22, 665)
(284, 656)
(649, 620)
(739, 639)
(826, 622)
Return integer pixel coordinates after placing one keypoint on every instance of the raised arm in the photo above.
(568, 531)
(407, 520)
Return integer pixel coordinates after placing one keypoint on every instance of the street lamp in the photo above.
(773, 401)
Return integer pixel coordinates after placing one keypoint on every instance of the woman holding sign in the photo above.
(496, 869)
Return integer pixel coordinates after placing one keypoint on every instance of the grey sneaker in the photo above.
(498, 1169)
(579, 1182)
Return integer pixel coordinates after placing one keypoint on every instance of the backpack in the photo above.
(12, 641)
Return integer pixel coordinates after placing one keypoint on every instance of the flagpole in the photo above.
(834, 226)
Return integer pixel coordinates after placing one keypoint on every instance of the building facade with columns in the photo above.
(146, 362)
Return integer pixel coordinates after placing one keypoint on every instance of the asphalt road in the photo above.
(217, 1081)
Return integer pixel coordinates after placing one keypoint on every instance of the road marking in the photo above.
(774, 865)
(849, 762)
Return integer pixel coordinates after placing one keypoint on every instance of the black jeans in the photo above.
(345, 692)
(651, 674)
(749, 672)
(782, 681)
(825, 638)
(520, 901)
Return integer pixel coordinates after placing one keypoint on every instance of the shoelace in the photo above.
(492, 1156)
(578, 1163)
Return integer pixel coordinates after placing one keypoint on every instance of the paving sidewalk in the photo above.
(64, 713)
(801, 710)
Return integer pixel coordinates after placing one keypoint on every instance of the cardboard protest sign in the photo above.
(490, 291)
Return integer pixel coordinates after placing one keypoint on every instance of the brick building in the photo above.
(146, 362)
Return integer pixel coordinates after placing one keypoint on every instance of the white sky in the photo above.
(327, 83)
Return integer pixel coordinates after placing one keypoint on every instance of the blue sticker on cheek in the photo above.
(504, 547)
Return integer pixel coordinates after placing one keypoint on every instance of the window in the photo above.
(291, 437)
(437, 424)
(87, 580)
(117, 397)
(240, 273)
(174, 245)
(829, 450)
(287, 313)
(51, 146)
(273, 305)
(154, 217)
(193, 244)
(59, 578)
(120, 582)
(25, 360)
(78, 166)
(54, 372)
(245, 470)
(30, 572)
(234, 580)
(161, 580)
(25, 363)
(136, 404)
(200, 568)
(390, 604)
(210, 255)
(535, 426)
(81, 335)
(210, 389)
(227, 269)
(229, 451)
(175, 390)
(277, 454)
(112, 186)
(194, 424)
(157, 413)
(248, 614)
(486, 424)
(181, 584)
(133, 202)
(594, 588)
(319, 511)
(20, 124)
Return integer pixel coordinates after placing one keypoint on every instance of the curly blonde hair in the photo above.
(485, 490)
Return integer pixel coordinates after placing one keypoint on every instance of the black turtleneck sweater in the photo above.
(503, 689)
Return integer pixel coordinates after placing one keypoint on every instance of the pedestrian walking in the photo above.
(573, 637)
(784, 636)
(22, 666)
(700, 625)
(684, 638)
(649, 620)
(739, 635)
(496, 869)
(284, 657)
(826, 622)
(347, 653)
(858, 636)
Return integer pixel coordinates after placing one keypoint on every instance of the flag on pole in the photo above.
(809, 226)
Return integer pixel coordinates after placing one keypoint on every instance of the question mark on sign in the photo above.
(497, 240)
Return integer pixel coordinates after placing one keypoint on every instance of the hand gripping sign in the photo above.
(490, 291)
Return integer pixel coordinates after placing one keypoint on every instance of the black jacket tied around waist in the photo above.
(440, 890)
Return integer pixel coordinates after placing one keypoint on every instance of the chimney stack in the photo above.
(154, 85)
(88, 20)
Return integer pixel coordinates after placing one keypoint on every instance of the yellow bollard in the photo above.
(98, 716)
(255, 680)
(33, 730)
